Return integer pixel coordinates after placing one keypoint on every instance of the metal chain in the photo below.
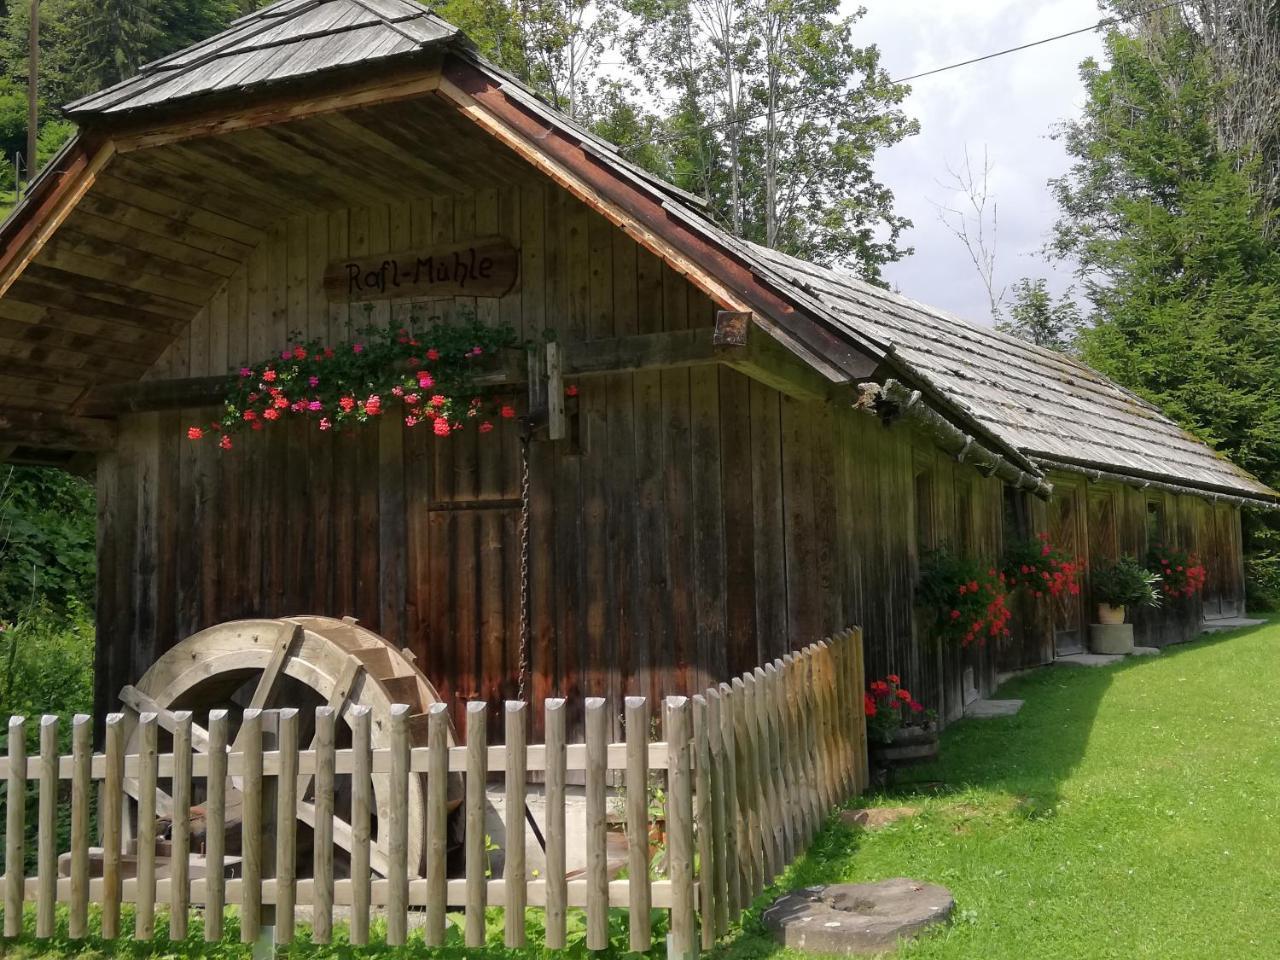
(524, 562)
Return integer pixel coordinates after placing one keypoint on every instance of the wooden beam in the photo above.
(753, 352)
(34, 428)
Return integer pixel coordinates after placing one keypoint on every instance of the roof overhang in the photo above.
(1143, 480)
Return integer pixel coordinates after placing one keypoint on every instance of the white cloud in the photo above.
(1008, 106)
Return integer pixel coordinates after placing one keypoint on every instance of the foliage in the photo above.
(1262, 581)
(1034, 316)
(888, 706)
(428, 371)
(1041, 825)
(47, 542)
(1173, 248)
(1181, 572)
(966, 597)
(1125, 583)
(1041, 568)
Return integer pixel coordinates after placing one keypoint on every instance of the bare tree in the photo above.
(974, 220)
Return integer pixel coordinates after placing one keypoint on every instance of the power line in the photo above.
(1101, 24)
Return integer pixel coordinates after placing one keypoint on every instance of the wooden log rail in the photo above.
(752, 768)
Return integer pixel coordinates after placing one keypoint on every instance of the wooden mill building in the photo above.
(726, 490)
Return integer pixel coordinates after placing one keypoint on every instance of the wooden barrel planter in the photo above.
(910, 745)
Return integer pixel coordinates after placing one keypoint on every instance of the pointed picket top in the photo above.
(287, 40)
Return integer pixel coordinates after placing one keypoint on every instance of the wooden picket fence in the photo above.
(752, 769)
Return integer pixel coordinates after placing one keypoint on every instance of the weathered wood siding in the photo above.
(696, 524)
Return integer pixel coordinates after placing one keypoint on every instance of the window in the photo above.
(964, 517)
(1017, 516)
(926, 535)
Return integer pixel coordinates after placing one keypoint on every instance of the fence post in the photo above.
(215, 820)
(703, 823)
(735, 880)
(639, 898)
(476, 855)
(398, 830)
(437, 821)
(557, 891)
(81, 786)
(513, 867)
(684, 922)
(719, 843)
(249, 741)
(286, 825)
(112, 810)
(752, 855)
(597, 730)
(47, 836)
(860, 684)
(15, 828)
(361, 821)
(180, 832)
(149, 731)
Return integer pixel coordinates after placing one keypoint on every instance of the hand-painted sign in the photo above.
(477, 268)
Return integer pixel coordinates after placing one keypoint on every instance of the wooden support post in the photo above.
(361, 821)
(437, 822)
(477, 857)
(556, 427)
(322, 861)
(684, 921)
(215, 814)
(556, 759)
(249, 742)
(398, 834)
(148, 762)
(47, 837)
(81, 789)
(597, 729)
(639, 895)
(286, 826)
(514, 877)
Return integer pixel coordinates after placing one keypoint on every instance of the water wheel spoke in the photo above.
(337, 703)
(343, 836)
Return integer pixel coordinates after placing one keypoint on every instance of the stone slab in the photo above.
(850, 919)
(877, 818)
(1088, 660)
(1146, 651)
(1231, 623)
(985, 709)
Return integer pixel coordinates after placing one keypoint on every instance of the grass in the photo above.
(1127, 812)
(1131, 811)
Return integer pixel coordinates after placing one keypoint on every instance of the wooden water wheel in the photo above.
(302, 662)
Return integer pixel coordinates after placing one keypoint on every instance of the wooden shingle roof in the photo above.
(288, 40)
(1044, 403)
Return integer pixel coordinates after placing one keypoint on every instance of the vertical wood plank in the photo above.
(249, 741)
(215, 813)
(735, 888)
(361, 820)
(398, 839)
(639, 898)
(750, 853)
(477, 860)
(513, 868)
(597, 726)
(860, 685)
(557, 890)
(437, 821)
(81, 789)
(684, 943)
(148, 764)
(286, 825)
(180, 832)
(778, 763)
(720, 854)
(759, 741)
(47, 836)
(322, 854)
(112, 810)
(703, 825)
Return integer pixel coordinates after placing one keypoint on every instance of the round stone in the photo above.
(857, 918)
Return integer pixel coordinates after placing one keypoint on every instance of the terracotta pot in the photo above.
(1110, 614)
(910, 745)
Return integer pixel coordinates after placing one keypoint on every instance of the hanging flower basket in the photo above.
(425, 374)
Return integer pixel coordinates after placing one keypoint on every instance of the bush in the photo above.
(1262, 581)
(46, 542)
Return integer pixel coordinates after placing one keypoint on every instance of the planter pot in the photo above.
(1108, 614)
(1111, 638)
(910, 745)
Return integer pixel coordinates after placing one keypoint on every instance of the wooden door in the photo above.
(1224, 589)
(1066, 522)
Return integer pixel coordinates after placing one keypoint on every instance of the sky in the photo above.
(1007, 106)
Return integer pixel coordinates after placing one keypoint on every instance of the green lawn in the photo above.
(1128, 812)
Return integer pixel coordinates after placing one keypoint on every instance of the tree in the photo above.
(1173, 245)
(775, 118)
(1034, 316)
(974, 220)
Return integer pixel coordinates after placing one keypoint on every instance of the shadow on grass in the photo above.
(1018, 764)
